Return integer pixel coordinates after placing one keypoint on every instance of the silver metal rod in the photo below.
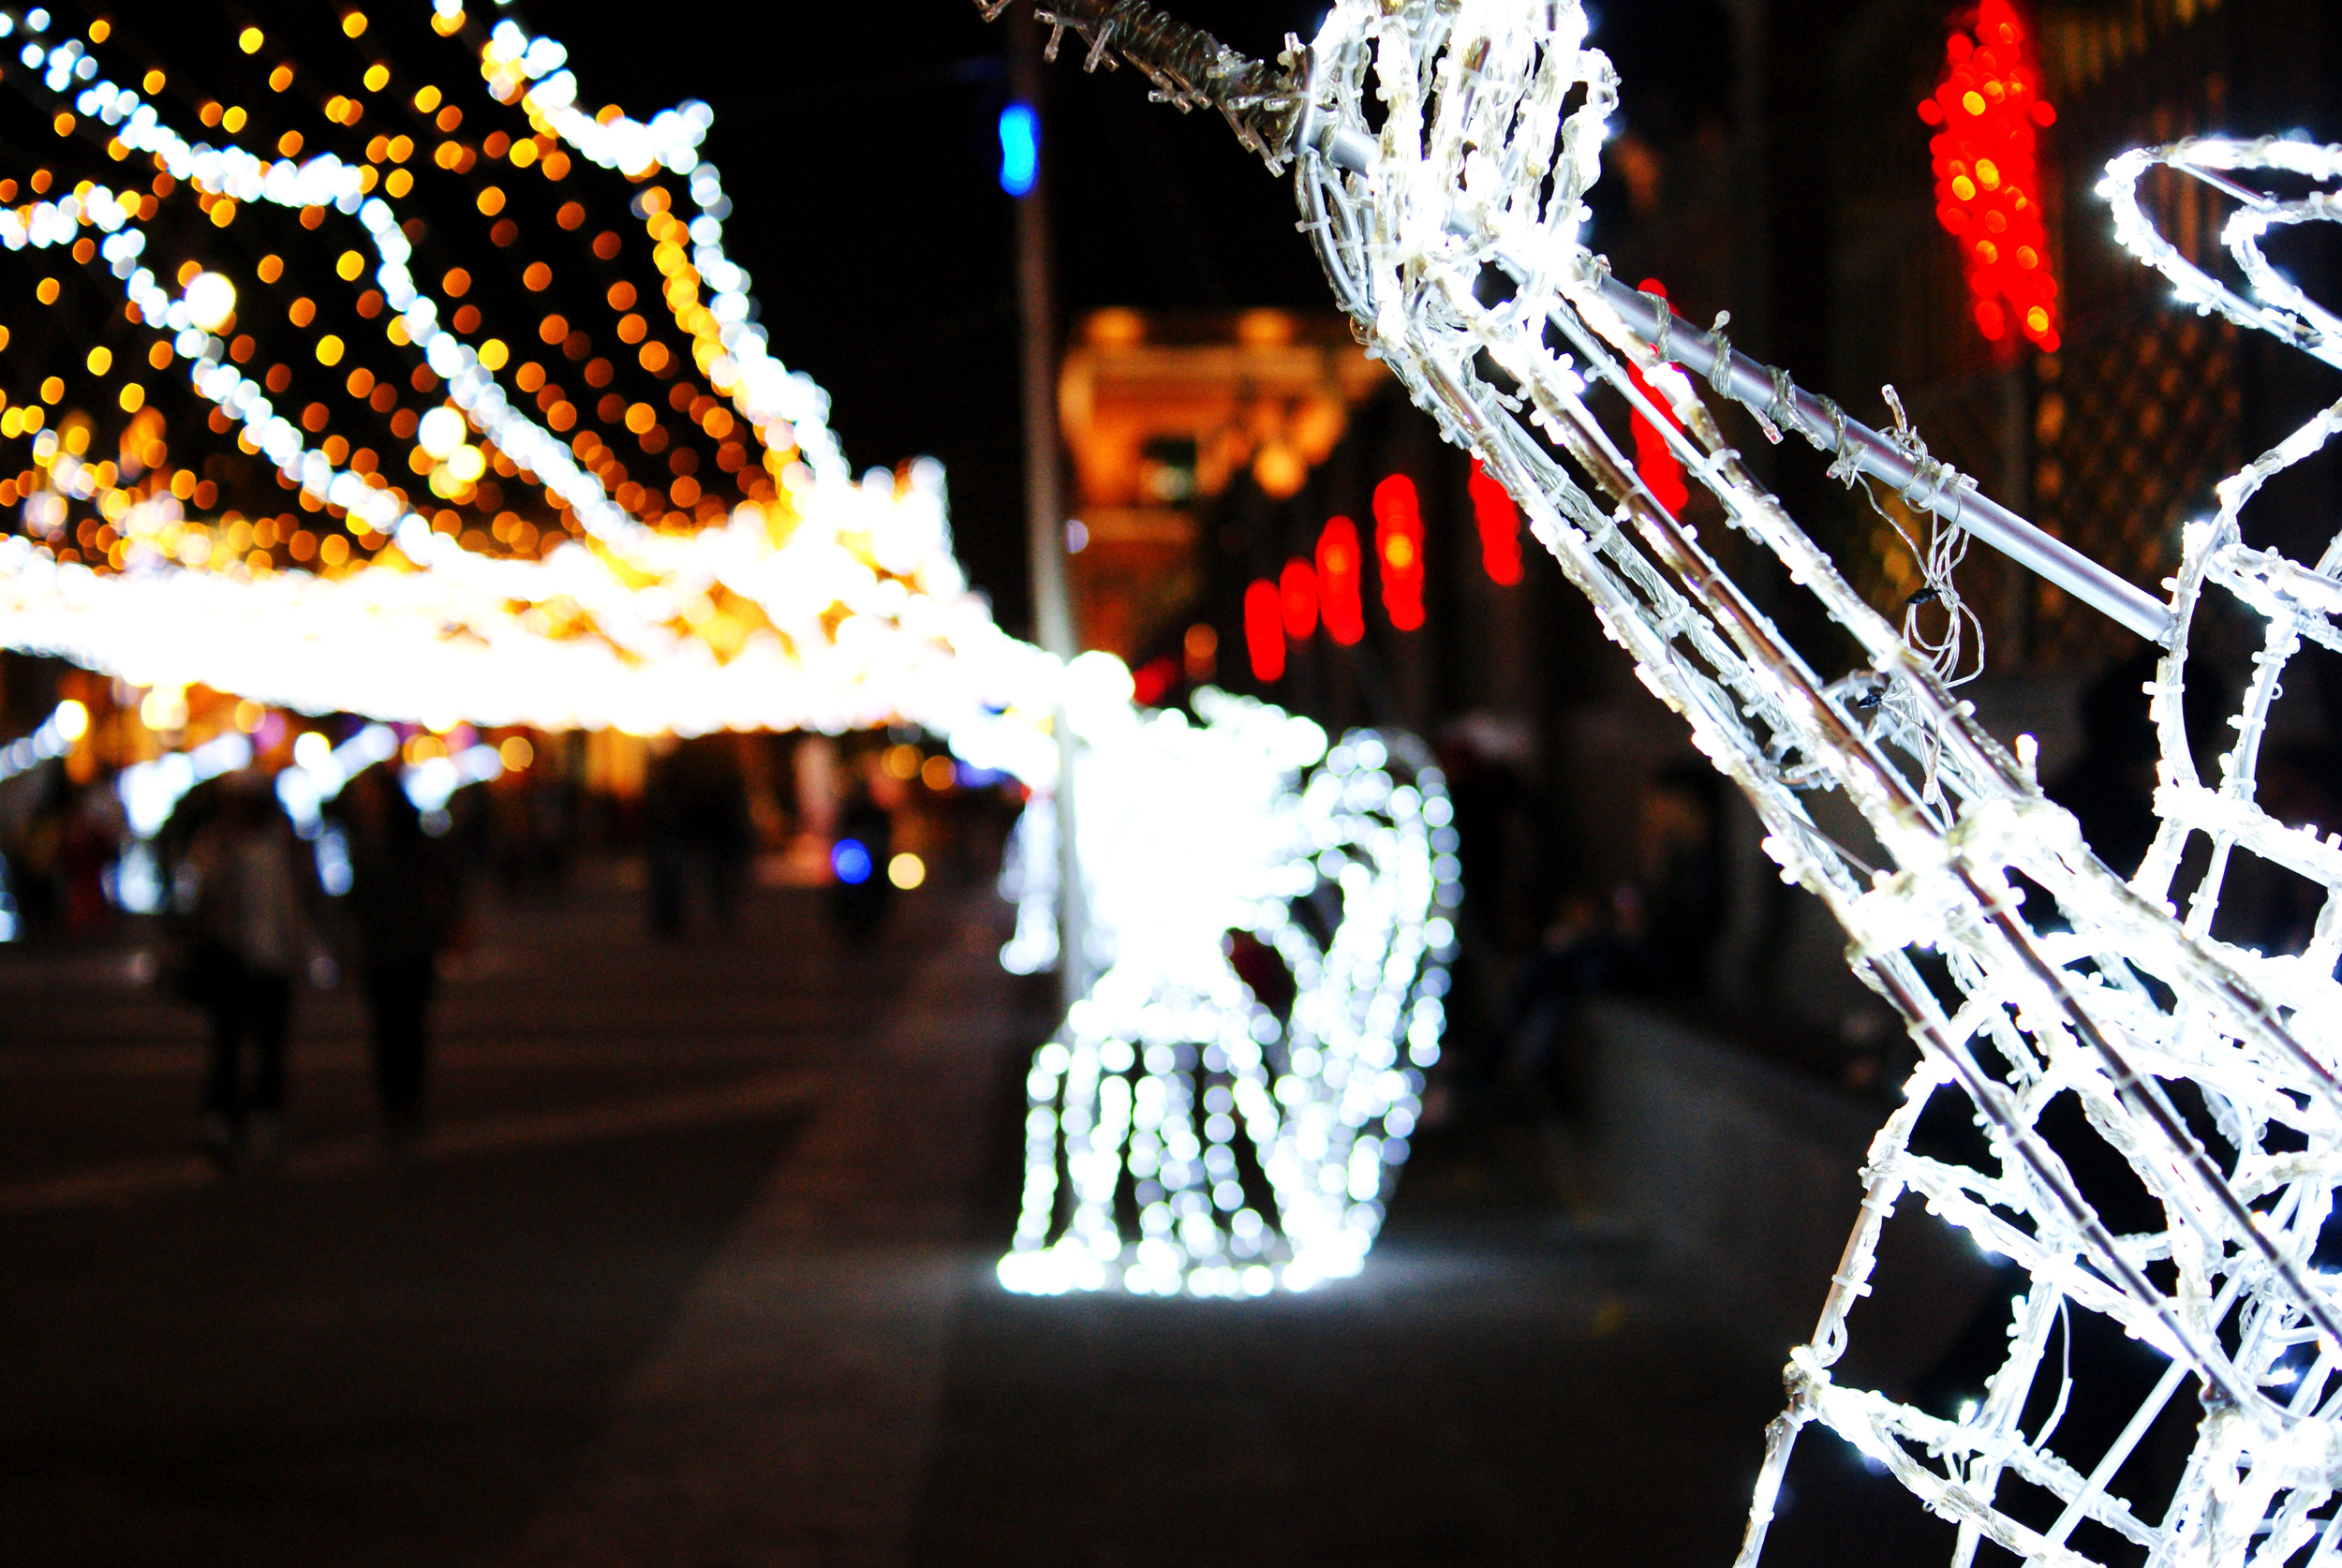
(1752, 384)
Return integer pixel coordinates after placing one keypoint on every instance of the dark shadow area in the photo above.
(393, 1368)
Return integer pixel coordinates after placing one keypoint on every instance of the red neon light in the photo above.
(1399, 547)
(1299, 590)
(1987, 179)
(1265, 629)
(1339, 566)
(1500, 527)
(1654, 464)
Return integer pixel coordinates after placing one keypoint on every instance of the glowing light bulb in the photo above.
(466, 464)
(440, 432)
(211, 301)
(71, 720)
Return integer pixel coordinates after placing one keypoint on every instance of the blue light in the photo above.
(1020, 149)
(850, 860)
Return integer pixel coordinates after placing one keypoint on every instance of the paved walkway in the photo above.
(693, 1270)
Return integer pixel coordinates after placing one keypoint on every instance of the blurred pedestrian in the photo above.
(405, 903)
(248, 895)
(695, 809)
(36, 852)
(858, 889)
(1655, 941)
(92, 844)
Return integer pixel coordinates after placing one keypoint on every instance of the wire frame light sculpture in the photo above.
(1442, 154)
(1225, 1113)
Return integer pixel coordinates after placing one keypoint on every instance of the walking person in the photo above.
(248, 893)
(404, 902)
(696, 813)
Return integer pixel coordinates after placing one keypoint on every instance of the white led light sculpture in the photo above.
(1190, 831)
(1184, 1135)
(1440, 145)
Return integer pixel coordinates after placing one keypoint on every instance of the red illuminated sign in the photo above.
(1297, 588)
(1492, 509)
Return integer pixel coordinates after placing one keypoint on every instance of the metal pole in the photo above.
(1044, 501)
(1752, 384)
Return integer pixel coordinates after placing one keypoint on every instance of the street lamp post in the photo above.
(1022, 174)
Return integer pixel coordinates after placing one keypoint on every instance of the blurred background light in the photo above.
(1020, 149)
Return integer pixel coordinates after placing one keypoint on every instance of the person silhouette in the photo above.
(404, 902)
(248, 892)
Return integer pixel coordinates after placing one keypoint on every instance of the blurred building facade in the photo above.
(1160, 414)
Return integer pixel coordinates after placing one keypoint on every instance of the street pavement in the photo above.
(692, 1270)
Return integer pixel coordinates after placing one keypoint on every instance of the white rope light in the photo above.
(866, 619)
(912, 643)
(1487, 122)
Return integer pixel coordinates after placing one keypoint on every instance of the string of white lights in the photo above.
(911, 643)
(1436, 142)
(787, 409)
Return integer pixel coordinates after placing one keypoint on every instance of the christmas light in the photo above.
(483, 639)
(51, 738)
(1499, 522)
(210, 300)
(1437, 146)
(1298, 592)
(1184, 1137)
(1265, 631)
